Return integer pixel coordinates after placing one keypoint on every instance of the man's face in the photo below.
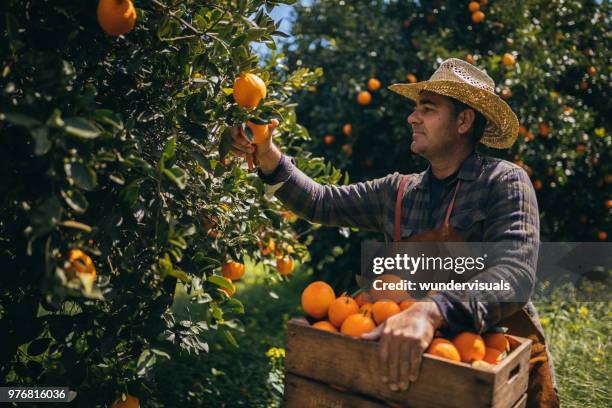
(434, 126)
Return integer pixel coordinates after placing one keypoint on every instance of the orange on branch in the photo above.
(233, 270)
(537, 184)
(347, 129)
(116, 17)
(508, 59)
(260, 132)
(602, 235)
(473, 6)
(249, 90)
(267, 248)
(347, 149)
(544, 129)
(411, 78)
(364, 98)
(284, 265)
(478, 17)
(80, 264)
(373, 84)
(130, 402)
(328, 139)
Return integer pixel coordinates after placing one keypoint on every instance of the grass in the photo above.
(578, 335)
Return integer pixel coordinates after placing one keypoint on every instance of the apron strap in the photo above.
(398, 208)
(449, 210)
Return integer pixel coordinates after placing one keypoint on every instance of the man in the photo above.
(460, 195)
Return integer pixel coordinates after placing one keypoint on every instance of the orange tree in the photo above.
(116, 183)
(549, 59)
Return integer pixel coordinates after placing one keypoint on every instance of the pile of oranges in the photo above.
(471, 348)
(354, 316)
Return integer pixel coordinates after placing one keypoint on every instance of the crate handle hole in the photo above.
(514, 373)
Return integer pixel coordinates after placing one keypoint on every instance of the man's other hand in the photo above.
(403, 338)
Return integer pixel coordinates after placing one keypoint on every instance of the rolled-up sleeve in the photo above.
(513, 223)
(359, 205)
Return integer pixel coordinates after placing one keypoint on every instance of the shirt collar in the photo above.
(469, 170)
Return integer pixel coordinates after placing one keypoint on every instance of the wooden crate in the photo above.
(316, 358)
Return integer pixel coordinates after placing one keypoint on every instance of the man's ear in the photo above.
(465, 120)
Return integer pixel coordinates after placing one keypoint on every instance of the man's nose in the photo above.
(413, 118)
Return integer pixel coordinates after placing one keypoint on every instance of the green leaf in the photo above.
(75, 200)
(81, 128)
(145, 361)
(169, 151)
(109, 117)
(20, 119)
(177, 175)
(42, 144)
(45, 216)
(83, 176)
(221, 281)
(235, 305)
(253, 34)
(230, 338)
(76, 225)
(130, 193)
(179, 274)
(238, 40)
(225, 144)
(39, 346)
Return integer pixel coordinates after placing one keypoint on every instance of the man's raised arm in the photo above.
(360, 205)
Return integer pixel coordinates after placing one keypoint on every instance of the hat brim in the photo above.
(502, 125)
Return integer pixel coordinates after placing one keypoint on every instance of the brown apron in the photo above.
(540, 392)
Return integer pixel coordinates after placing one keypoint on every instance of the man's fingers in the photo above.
(404, 371)
(393, 362)
(238, 135)
(243, 149)
(416, 355)
(383, 355)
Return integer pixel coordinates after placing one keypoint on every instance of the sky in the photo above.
(283, 12)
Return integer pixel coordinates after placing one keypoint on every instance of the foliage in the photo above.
(556, 45)
(119, 146)
(578, 332)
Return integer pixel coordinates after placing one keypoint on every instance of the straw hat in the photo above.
(463, 81)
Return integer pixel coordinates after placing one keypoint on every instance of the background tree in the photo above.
(549, 59)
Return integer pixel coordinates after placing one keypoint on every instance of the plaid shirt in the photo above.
(496, 203)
